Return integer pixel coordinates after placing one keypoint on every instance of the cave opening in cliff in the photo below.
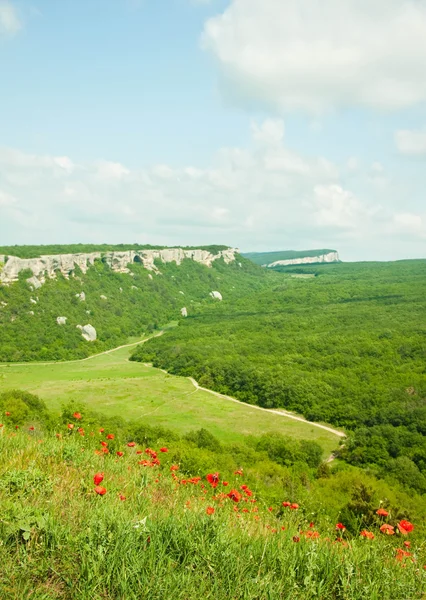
(137, 259)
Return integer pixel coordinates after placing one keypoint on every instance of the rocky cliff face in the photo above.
(330, 257)
(49, 265)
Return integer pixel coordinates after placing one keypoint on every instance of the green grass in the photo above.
(113, 385)
(62, 541)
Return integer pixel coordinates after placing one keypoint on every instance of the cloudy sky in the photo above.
(261, 124)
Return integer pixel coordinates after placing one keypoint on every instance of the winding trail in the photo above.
(281, 413)
(78, 360)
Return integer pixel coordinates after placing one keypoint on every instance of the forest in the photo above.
(346, 346)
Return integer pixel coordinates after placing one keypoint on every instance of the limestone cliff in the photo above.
(49, 265)
(330, 257)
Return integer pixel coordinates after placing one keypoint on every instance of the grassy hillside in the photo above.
(118, 305)
(92, 509)
(347, 347)
(111, 384)
(266, 258)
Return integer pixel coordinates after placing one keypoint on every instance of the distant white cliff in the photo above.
(330, 257)
(49, 265)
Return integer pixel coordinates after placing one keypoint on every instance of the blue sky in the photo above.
(256, 123)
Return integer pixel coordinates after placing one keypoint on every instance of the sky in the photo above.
(259, 124)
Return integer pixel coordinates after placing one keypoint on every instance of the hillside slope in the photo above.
(293, 257)
(42, 321)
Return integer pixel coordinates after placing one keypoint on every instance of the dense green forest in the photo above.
(347, 346)
(265, 258)
(117, 305)
(37, 251)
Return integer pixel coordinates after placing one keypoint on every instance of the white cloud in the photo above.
(411, 142)
(315, 56)
(10, 23)
(262, 196)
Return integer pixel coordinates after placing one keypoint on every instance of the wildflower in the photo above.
(31, 428)
(110, 436)
(213, 479)
(101, 430)
(294, 506)
(104, 444)
(367, 534)
(225, 483)
(122, 498)
(238, 472)
(405, 527)
(100, 490)
(105, 450)
(286, 504)
(77, 415)
(139, 451)
(70, 426)
(340, 527)
(164, 449)
(7, 413)
(119, 453)
(210, 510)
(401, 554)
(174, 468)
(1, 425)
(16, 426)
(98, 478)
(270, 509)
(234, 495)
(131, 444)
(311, 525)
(387, 529)
(407, 544)
(296, 538)
(58, 435)
(382, 512)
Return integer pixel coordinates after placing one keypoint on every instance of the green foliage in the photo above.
(347, 347)
(133, 305)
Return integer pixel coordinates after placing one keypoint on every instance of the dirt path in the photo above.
(78, 360)
(281, 413)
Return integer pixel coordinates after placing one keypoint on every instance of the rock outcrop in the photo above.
(88, 332)
(61, 320)
(330, 257)
(49, 265)
(184, 312)
(216, 295)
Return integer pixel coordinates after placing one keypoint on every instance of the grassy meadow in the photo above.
(113, 385)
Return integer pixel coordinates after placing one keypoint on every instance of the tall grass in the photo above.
(61, 540)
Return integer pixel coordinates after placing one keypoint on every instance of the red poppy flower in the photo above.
(213, 479)
(382, 512)
(139, 451)
(31, 428)
(101, 430)
(405, 527)
(270, 509)
(164, 449)
(16, 426)
(210, 510)
(100, 490)
(286, 504)
(77, 415)
(104, 444)
(70, 426)
(340, 526)
(407, 544)
(105, 450)
(225, 483)
(239, 472)
(119, 453)
(367, 534)
(110, 436)
(7, 413)
(387, 529)
(234, 495)
(294, 506)
(122, 498)
(296, 538)
(131, 444)
(311, 525)
(174, 468)
(98, 478)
